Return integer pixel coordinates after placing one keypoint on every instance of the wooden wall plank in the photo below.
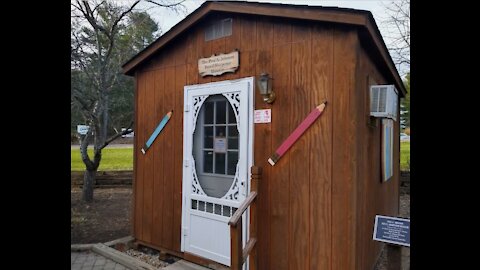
(169, 156)
(140, 158)
(218, 47)
(248, 34)
(247, 48)
(192, 74)
(181, 51)
(232, 43)
(343, 237)
(321, 150)
(149, 157)
(300, 96)
(158, 184)
(169, 55)
(279, 226)
(204, 49)
(180, 80)
(191, 47)
(282, 33)
(375, 203)
(135, 158)
(247, 68)
(263, 143)
(361, 89)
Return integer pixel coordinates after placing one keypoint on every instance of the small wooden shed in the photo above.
(315, 208)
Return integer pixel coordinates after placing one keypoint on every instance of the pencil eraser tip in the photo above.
(271, 162)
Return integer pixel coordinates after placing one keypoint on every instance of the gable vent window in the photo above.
(219, 29)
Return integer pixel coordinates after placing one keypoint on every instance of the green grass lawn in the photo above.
(113, 159)
(404, 155)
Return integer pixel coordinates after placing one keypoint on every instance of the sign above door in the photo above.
(218, 64)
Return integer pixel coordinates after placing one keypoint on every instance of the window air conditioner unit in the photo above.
(383, 101)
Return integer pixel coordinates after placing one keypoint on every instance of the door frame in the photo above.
(250, 147)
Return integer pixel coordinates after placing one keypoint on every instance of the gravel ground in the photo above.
(149, 257)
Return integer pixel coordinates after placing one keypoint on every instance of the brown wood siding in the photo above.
(158, 147)
(281, 110)
(170, 144)
(149, 157)
(321, 150)
(316, 205)
(262, 137)
(374, 197)
(343, 223)
(140, 159)
(299, 163)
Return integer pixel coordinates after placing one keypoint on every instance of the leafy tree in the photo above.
(104, 34)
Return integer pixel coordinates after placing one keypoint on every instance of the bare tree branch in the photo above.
(100, 38)
(164, 5)
(398, 25)
(114, 137)
(89, 15)
(114, 26)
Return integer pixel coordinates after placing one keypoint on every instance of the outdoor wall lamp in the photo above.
(264, 84)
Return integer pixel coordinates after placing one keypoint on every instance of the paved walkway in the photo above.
(89, 260)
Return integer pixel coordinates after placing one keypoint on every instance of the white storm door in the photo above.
(217, 153)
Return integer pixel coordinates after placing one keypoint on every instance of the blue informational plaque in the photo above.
(392, 230)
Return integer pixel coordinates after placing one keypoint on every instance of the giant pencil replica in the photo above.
(307, 122)
(157, 131)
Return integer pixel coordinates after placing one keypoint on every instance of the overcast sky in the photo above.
(167, 19)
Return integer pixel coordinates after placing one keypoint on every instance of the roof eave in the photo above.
(339, 15)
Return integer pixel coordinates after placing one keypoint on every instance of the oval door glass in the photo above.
(215, 146)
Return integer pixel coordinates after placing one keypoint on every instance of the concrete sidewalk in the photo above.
(88, 260)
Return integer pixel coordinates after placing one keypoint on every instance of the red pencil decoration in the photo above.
(307, 122)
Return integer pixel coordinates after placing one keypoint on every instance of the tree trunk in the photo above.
(88, 181)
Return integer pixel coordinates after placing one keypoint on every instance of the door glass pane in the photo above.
(231, 115)
(220, 163)
(232, 162)
(209, 207)
(208, 161)
(208, 106)
(226, 211)
(218, 209)
(208, 141)
(201, 206)
(220, 131)
(232, 137)
(215, 162)
(221, 112)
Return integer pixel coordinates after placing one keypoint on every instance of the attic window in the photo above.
(219, 29)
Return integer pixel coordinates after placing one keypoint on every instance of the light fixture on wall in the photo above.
(264, 84)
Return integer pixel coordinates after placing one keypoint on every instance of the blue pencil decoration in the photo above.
(157, 131)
